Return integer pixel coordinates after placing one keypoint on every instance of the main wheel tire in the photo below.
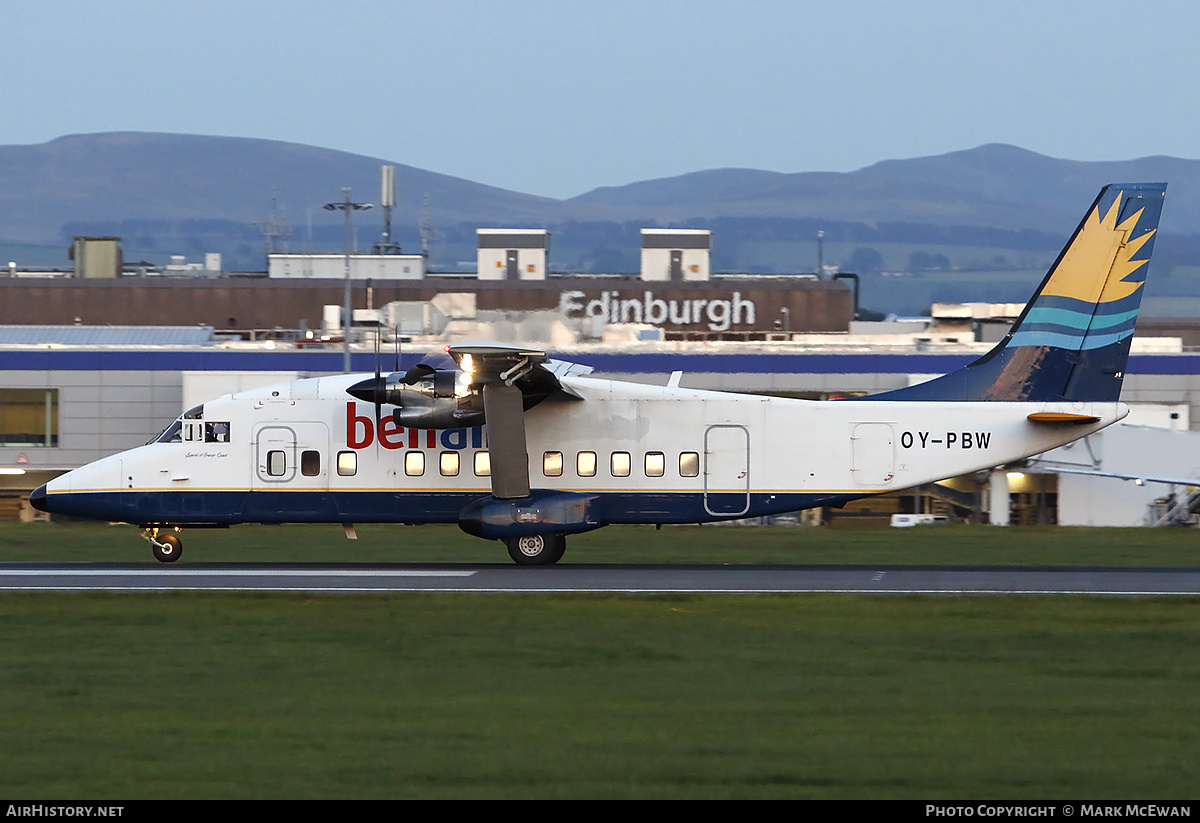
(167, 548)
(537, 549)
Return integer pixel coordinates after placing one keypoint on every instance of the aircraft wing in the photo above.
(494, 383)
(530, 371)
(512, 379)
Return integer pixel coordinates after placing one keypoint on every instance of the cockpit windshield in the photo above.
(191, 427)
(174, 432)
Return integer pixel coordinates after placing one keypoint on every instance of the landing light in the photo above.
(462, 384)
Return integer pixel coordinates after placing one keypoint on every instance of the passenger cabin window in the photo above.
(347, 464)
(276, 463)
(310, 463)
(620, 464)
(414, 464)
(689, 464)
(552, 464)
(585, 464)
(448, 464)
(483, 464)
(656, 464)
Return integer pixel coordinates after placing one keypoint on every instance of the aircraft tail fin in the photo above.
(1071, 342)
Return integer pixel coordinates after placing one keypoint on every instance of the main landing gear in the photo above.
(537, 549)
(167, 546)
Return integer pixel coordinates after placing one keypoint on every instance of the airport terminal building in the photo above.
(92, 365)
(71, 395)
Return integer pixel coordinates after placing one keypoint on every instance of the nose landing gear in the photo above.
(167, 546)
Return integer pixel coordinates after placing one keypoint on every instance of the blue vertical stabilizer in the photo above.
(1072, 340)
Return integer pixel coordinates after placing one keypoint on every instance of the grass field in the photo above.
(693, 696)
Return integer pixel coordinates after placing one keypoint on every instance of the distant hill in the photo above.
(171, 177)
(188, 194)
(996, 185)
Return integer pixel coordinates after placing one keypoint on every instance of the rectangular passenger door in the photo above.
(726, 470)
(291, 456)
(873, 454)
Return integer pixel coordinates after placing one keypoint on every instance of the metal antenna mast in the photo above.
(348, 206)
(275, 228)
(426, 228)
(387, 199)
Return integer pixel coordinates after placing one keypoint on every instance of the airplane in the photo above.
(514, 446)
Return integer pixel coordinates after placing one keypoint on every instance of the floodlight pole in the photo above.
(348, 206)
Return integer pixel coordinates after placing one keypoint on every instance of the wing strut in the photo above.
(532, 522)
(504, 410)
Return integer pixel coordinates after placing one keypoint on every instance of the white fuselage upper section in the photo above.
(621, 437)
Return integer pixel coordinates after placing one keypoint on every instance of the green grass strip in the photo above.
(705, 696)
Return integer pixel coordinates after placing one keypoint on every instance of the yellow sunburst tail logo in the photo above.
(1091, 295)
(1072, 341)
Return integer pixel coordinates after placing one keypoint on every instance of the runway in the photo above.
(583, 578)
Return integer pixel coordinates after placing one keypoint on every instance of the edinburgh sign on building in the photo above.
(714, 313)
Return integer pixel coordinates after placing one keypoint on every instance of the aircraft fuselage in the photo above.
(305, 452)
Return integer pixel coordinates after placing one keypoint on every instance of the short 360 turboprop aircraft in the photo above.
(517, 447)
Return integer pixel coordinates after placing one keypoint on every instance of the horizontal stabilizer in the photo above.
(1140, 479)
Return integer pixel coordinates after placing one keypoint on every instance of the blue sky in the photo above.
(557, 98)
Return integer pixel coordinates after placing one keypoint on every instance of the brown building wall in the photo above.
(1187, 328)
(262, 304)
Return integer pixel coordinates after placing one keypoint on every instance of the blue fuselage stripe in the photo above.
(233, 507)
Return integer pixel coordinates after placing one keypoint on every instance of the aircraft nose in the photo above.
(37, 498)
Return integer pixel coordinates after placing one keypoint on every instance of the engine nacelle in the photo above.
(545, 511)
(425, 398)
(436, 413)
(429, 398)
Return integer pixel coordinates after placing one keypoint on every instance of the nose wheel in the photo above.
(167, 546)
